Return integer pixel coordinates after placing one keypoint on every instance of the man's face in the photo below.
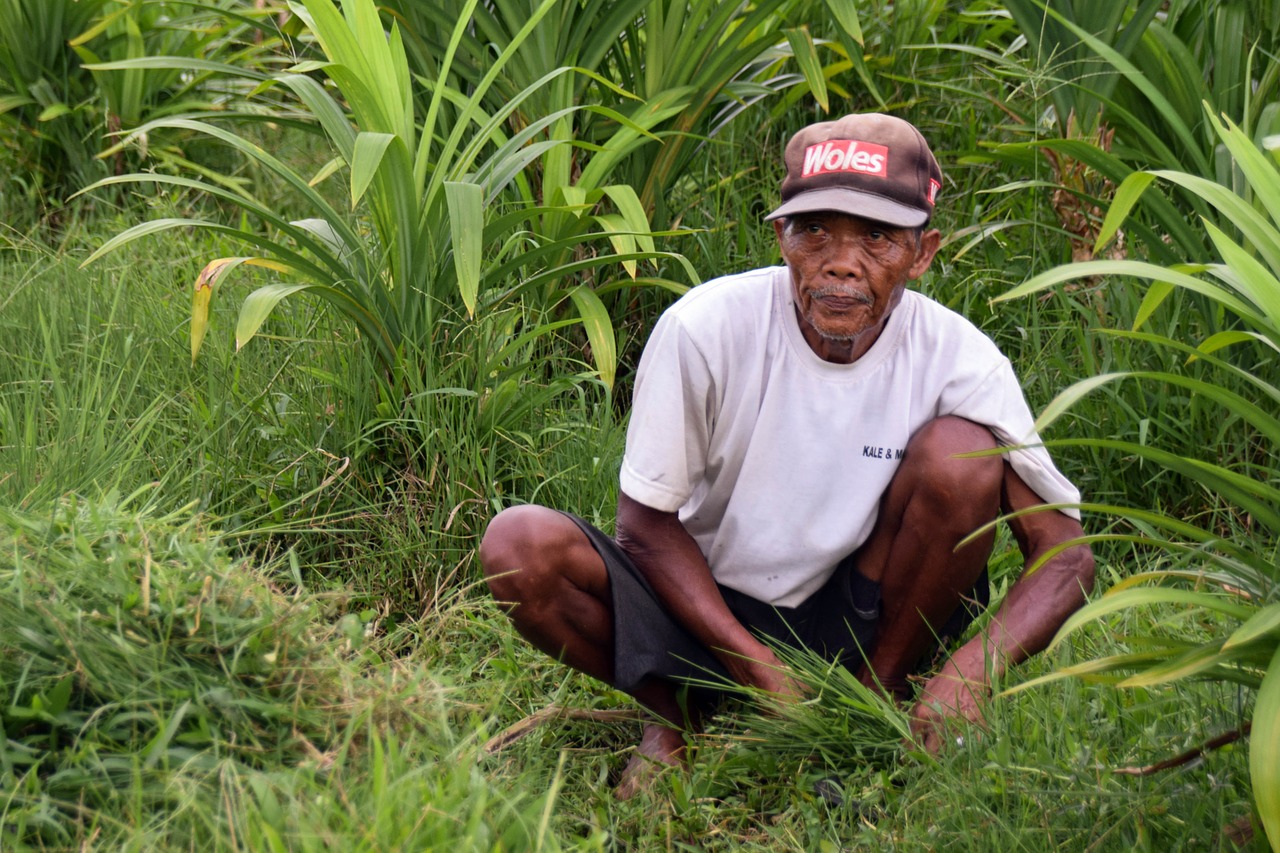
(848, 274)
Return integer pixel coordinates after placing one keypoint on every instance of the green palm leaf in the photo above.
(1203, 659)
(1262, 420)
(1265, 621)
(258, 305)
(366, 157)
(1136, 269)
(466, 220)
(1115, 601)
(1101, 669)
(1264, 751)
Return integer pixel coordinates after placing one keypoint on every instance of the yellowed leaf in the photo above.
(209, 279)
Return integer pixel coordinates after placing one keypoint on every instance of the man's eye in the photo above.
(876, 236)
(813, 228)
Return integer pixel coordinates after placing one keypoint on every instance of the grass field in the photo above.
(240, 603)
(242, 614)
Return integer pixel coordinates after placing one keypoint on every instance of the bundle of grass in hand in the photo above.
(842, 724)
(133, 646)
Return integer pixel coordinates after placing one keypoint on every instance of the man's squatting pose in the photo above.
(791, 471)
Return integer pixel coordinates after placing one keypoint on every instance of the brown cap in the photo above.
(868, 164)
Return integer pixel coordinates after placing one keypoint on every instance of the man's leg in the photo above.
(934, 501)
(553, 584)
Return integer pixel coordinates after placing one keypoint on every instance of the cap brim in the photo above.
(854, 203)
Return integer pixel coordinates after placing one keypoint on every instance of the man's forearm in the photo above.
(1032, 612)
(669, 559)
(1040, 601)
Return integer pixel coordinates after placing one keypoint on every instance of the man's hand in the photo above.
(669, 558)
(947, 697)
(764, 671)
(1034, 609)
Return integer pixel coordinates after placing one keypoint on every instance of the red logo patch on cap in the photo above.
(846, 155)
(934, 186)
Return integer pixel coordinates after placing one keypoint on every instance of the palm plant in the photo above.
(460, 270)
(1077, 53)
(42, 92)
(1127, 96)
(1054, 33)
(1237, 580)
(194, 33)
(60, 104)
(667, 74)
(1218, 51)
(449, 220)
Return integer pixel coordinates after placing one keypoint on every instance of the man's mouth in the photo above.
(839, 299)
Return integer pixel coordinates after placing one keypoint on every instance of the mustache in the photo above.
(844, 293)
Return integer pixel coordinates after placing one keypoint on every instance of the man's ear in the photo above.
(929, 242)
(780, 228)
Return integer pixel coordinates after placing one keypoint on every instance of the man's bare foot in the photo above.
(659, 746)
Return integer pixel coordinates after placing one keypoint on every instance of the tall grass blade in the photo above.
(1264, 752)
(1265, 621)
(1116, 601)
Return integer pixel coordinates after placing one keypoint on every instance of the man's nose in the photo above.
(844, 260)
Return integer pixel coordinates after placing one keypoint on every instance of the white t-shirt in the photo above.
(775, 459)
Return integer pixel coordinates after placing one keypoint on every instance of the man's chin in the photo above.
(838, 334)
(839, 329)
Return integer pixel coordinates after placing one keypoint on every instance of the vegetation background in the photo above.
(294, 297)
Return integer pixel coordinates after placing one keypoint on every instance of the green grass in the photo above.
(101, 391)
(343, 534)
(254, 445)
(158, 691)
(1041, 778)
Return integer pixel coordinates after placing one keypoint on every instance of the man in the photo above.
(791, 472)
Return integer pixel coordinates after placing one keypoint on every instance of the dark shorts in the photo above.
(839, 621)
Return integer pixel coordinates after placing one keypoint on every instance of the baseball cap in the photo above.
(867, 164)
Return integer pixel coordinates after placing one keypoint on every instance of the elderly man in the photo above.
(794, 472)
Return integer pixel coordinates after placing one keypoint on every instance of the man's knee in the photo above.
(511, 538)
(521, 547)
(945, 476)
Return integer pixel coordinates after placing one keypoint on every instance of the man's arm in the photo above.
(1032, 612)
(669, 558)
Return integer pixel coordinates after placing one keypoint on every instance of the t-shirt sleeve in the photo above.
(997, 401)
(671, 416)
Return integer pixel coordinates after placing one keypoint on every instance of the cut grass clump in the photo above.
(842, 726)
(134, 646)
(136, 643)
(157, 694)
